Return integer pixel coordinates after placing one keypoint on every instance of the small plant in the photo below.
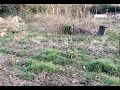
(118, 70)
(67, 29)
(50, 67)
(73, 53)
(20, 70)
(7, 39)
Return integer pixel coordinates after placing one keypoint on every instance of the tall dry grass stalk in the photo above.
(67, 10)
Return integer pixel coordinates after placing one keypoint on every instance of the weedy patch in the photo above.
(38, 66)
(26, 75)
(21, 53)
(7, 39)
(22, 41)
(101, 79)
(5, 50)
(110, 80)
(67, 29)
(102, 66)
(113, 36)
(55, 56)
(31, 67)
(84, 57)
(82, 38)
(73, 53)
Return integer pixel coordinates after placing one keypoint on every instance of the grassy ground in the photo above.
(42, 59)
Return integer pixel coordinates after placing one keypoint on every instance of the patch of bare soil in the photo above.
(6, 73)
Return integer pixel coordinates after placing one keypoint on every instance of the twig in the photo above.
(22, 83)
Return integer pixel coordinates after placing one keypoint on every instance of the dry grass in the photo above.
(13, 23)
(21, 35)
(53, 23)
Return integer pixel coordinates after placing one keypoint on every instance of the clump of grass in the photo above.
(118, 70)
(20, 70)
(102, 66)
(7, 39)
(73, 53)
(82, 38)
(34, 66)
(26, 75)
(84, 57)
(5, 50)
(66, 29)
(21, 53)
(102, 79)
(79, 39)
(55, 56)
(110, 80)
(114, 37)
(33, 33)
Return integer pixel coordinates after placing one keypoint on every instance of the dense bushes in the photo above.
(9, 9)
(103, 8)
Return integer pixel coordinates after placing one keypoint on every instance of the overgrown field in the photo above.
(32, 57)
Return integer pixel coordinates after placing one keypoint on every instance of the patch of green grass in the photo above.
(114, 37)
(26, 75)
(116, 60)
(84, 57)
(33, 34)
(35, 66)
(55, 56)
(23, 41)
(21, 53)
(82, 38)
(5, 50)
(7, 39)
(110, 80)
(102, 66)
(102, 79)
(20, 70)
(73, 53)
